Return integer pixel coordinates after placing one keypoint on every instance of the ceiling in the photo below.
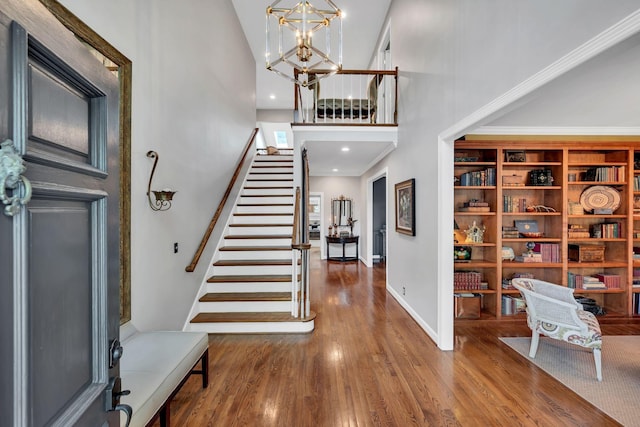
(361, 27)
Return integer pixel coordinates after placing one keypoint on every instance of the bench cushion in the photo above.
(152, 366)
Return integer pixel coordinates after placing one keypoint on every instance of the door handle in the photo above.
(11, 169)
(113, 392)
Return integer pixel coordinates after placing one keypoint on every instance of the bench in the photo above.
(154, 366)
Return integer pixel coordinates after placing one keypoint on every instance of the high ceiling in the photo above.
(361, 27)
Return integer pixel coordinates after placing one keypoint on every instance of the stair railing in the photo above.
(207, 234)
(300, 299)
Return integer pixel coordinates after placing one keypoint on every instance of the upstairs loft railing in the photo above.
(349, 97)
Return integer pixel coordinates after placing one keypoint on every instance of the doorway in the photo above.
(379, 222)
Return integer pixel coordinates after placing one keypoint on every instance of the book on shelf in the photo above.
(475, 209)
(529, 257)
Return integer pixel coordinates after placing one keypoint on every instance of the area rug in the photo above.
(618, 395)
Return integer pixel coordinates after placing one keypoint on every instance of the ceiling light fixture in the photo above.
(297, 30)
(345, 148)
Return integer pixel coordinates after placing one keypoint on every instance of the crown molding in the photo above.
(556, 130)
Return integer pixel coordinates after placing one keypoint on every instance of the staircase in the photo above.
(248, 287)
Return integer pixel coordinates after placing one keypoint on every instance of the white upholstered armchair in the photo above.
(553, 311)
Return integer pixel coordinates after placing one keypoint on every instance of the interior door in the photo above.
(59, 255)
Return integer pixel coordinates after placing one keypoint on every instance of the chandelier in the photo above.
(303, 34)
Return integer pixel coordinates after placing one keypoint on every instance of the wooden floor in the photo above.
(369, 364)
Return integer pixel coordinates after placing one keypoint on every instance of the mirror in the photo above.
(341, 211)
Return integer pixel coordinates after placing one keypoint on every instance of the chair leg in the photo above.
(535, 340)
(597, 357)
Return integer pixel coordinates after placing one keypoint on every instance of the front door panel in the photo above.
(63, 112)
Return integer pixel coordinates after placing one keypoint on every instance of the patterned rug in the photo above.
(618, 395)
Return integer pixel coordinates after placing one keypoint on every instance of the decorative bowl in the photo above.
(533, 234)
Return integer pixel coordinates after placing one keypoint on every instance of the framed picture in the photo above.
(406, 207)
(515, 156)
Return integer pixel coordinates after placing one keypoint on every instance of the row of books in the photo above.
(607, 230)
(486, 177)
(512, 304)
(606, 174)
(636, 303)
(636, 183)
(514, 204)
(594, 282)
(467, 280)
(550, 252)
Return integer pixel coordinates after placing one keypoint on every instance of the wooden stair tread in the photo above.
(270, 173)
(260, 225)
(258, 236)
(250, 317)
(261, 214)
(288, 187)
(264, 204)
(269, 278)
(267, 195)
(246, 296)
(245, 262)
(272, 180)
(255, 248)
(267, 166)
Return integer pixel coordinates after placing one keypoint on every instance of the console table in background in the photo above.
(344, 240)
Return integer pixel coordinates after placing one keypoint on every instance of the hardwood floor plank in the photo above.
(369, 364)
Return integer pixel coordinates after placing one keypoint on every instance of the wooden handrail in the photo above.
(194, 262)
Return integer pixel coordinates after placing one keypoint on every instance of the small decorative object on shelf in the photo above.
(475, 233)
(508, 254)
(540, 208)
(462, 253)
(541, 177)
(475, 205)
(515, 156)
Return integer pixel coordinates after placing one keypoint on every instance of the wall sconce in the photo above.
(162, 198)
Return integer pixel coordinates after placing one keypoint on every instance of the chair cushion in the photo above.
(591, 339)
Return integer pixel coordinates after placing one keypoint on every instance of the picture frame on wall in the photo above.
(406, 207)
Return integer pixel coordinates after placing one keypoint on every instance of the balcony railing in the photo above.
(349, 97)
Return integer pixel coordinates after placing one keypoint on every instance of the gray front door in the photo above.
(59, 259)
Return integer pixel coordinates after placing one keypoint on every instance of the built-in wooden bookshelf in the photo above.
(581, 202)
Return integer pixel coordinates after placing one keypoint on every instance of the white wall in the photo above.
(334, 187)
(470, 52)
(193, 103)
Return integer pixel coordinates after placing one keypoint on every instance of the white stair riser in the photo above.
(262, 219)
(283, 156)
(279, 191)
(257, 242)
(272, 168)
(263, 208)
(263, 183)
(244, 231)
(288, 199)
(238, 255)
(270, 177)
(253, 327)
(249, 287)
(244, 270)
(244, 306)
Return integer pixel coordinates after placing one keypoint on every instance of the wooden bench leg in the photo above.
(204, 369)
(165, 414)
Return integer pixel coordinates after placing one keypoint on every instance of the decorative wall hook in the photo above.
(11, 169)
(164, 197)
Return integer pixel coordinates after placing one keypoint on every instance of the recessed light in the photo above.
(272, 96)
(345, 148)
(334, 170)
